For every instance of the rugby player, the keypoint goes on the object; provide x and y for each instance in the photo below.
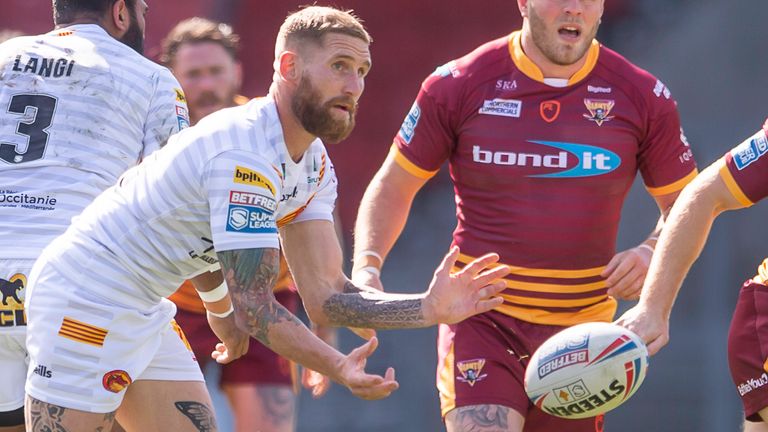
(544, 131)
(79, 105)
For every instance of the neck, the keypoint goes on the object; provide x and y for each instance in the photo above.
(91, 20)
(548, 68)
(297, 139)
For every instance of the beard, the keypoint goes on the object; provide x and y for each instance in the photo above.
(316, 117)
(134, 36)
(552, 49)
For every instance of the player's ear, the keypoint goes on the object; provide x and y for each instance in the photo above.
(523, 6)
(289, 66)
(120, 16)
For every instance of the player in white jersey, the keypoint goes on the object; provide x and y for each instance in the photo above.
(78, 107)
(222, 191)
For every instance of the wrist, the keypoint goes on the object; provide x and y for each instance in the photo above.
(367, 259)
(428, 311)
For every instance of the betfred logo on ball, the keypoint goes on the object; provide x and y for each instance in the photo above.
(586, 370)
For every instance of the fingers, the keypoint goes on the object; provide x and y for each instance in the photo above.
(487, 305)
(657, 344)
(619, 270)
(629, 286)
(479, 264)
(372, 387)
(364, 333)
(364, 351)
(612, 264)
(489, 276)
(448, 261)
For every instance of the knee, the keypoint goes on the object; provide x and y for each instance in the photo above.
(12, 418)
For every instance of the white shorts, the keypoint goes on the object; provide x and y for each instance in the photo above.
(85, 349)
(13, 329)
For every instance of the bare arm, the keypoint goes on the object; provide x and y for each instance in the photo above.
(684, 235)
(685, 232)
(250, 275)
(382, 216)
(314, 256)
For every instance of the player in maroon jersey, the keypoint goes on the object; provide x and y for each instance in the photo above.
(544, 131)
(739, 179)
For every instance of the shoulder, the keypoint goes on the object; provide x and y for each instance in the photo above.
(637, 82)
(481, 65)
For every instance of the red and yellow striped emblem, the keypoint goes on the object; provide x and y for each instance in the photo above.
(82, 332)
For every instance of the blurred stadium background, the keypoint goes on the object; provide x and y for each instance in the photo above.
(710, 53)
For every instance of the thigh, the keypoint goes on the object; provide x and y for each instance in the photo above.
(46, 417)
(484, 418)
(748, 349)
(262, 407)
(482, 364)
(85, 350)
(179, 406)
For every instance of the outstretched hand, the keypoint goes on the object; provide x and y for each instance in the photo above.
(453, 297)
(652, 328)
(363, 385)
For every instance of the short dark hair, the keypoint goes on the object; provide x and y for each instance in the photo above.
(66, 11)
(197, 30)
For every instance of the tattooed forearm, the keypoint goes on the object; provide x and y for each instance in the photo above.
(358, 308)
(199, 414)
(481, 418)
(251, 275)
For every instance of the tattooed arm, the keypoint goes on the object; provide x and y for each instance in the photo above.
(250, 275)
(314, 255)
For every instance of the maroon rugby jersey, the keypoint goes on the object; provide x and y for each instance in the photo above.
(746, 175)
(540, 172)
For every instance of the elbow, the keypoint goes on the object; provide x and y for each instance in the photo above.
(316, 314)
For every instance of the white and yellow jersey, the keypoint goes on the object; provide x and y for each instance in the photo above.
(77, 109)
(226, 183)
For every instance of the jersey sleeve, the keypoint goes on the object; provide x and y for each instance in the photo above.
(320, 207)
(426, 138)
(746, 168)
(242, 194)
(167, 113)
(665, 160)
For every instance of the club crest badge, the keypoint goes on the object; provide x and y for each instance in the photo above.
(599, 110)
(471, 371)
(549, 110)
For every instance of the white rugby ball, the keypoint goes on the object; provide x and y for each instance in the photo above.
(586, 370)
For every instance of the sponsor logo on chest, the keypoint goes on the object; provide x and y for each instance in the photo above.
(502, 107)
(558, 159)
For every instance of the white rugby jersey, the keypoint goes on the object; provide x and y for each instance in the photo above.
(226, 183)
(77, 109)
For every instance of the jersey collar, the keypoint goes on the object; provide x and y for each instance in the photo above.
(529, 68)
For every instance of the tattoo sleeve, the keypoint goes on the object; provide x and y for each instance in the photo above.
(251, 275)
(361, 308)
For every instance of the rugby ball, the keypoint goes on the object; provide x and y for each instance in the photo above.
(586, 370)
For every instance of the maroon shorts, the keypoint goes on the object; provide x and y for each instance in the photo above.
(259, 366)
(748, 348)
(482, 361)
